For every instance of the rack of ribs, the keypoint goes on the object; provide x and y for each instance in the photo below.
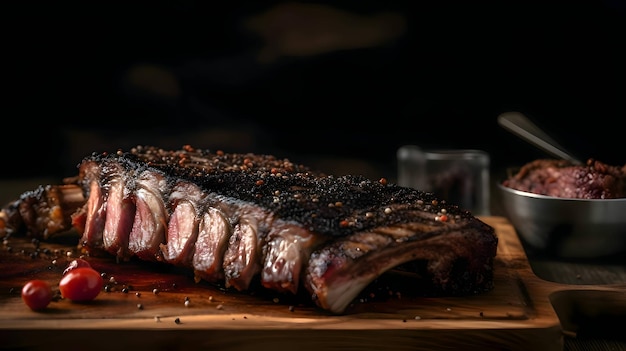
(234, 217)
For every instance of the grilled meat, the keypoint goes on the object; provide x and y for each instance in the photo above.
(562, 178)
(233, 217)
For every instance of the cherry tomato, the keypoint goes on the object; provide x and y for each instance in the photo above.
(81, 284)
(37, 294)
(79, 262)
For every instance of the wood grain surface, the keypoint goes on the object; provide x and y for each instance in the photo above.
(145, 307)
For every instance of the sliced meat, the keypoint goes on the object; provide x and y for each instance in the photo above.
(242, 259)
(287, 249)
(119, 216)
(151, 217)
(95, 213)
(186, 202)
(214, 232)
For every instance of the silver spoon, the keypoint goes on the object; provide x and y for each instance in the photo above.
(520, 125)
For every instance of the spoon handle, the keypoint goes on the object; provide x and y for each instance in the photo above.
(520, 125)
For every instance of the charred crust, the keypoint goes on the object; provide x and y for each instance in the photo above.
(326, 204)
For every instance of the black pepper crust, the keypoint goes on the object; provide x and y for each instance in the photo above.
(326, 204)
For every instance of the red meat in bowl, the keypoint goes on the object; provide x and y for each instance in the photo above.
(569, 210)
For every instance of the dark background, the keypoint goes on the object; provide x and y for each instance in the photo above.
(442, 83)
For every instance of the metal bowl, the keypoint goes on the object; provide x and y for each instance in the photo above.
(573, 228)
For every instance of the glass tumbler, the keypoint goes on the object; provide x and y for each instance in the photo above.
(459, 176)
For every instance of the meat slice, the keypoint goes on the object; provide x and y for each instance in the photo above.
(241, 259)
(94, 211)
(214, 232)
(151, 217)
(119, 215)
(287, 250)
(186, 203)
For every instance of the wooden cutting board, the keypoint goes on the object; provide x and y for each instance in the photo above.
(516, 315)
